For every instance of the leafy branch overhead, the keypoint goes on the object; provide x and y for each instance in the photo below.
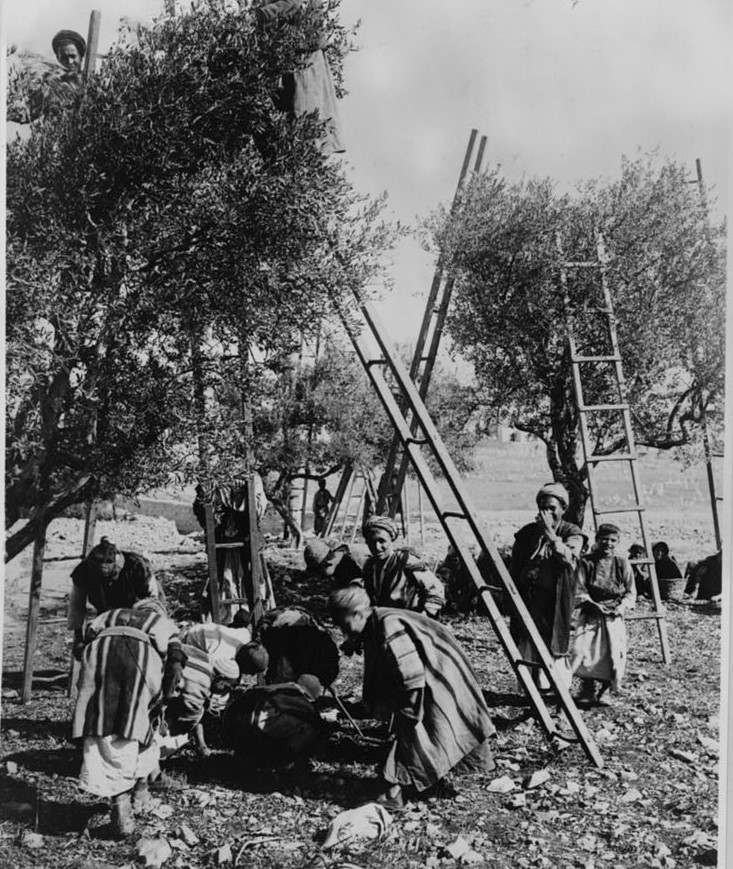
(666, 271)
(173, 206)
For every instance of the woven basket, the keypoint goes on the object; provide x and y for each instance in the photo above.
(671, 589)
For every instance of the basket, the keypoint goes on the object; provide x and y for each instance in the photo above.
(671, 589)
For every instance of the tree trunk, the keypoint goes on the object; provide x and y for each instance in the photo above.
(288, 518)
(43, 516)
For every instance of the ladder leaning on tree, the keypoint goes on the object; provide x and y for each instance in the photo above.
(608, 358)
(417, 432)
(428, 342)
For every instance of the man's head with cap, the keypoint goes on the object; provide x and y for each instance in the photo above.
(69, 48)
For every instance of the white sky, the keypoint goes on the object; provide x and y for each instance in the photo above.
(560, 88)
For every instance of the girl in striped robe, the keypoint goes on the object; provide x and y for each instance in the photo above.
(131, 664)
(416, 673)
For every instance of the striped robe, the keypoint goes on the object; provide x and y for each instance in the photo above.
(185, 710)
(122, 674)
(407, 652)
(403, 580)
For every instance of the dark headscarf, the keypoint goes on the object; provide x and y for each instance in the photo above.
(65, 36)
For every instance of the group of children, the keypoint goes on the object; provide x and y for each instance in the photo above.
(143, 678)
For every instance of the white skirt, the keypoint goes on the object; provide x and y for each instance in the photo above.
(112, 764)
(599, 649)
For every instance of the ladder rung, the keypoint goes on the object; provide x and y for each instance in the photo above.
(453, 514)
(640, 560)
(228, 545)
(535, 665)
(376, 362)
(614, 358)
(233, 600)
(643, 616)
(637, 509)
(587, 264)
(584, 408)
(624, 457)
(418, 441)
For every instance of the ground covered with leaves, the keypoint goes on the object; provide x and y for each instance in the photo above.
(654, 803)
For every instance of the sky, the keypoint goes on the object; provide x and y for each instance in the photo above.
(561, 88)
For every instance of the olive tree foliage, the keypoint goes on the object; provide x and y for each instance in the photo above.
(665, 269)
(168, 222)
(316, 416)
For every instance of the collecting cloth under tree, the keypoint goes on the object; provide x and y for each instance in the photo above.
(403, 580)
(415, 670)
(600, 647)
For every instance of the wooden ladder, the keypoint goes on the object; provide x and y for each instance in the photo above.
(255, 566)
(609, 356)
(349, 492)
(428, 342)
(417, 433)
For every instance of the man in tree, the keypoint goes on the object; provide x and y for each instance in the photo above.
(108, 578)
(309, 88)
(57, 89)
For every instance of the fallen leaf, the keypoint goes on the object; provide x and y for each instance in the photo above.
(537, 778)
(458, 848)
(685, 756)
(471, 858)
(12, 767)
(588, 842)
(518, 801)
(188, 835)
(163, 812)
(631, 796)
(711, 746)
(153, 852)
(501, 785)
(31, 840)
(223, 854)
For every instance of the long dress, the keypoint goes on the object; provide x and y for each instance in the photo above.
(311, 88)
(599, 648)
(403, 580)
(545, 577)
(120, 686)
(408, 655)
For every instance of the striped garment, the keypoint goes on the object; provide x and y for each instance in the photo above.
(185, 710)
(407, 652)
(221, 643)
(403, 580)
(122, 673)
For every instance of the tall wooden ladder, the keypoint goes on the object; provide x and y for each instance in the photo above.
(355, 485)
(608, 357)
(255, 566)
(417, 433)
(428, 341)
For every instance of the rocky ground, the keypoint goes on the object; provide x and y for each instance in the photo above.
(653, 804)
